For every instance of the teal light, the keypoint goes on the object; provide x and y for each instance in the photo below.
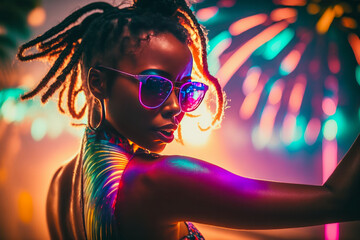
(330, 129)
(38, 129)
(278, 43)
(218, 45)
(357, 74)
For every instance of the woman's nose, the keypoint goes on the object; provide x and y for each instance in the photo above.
(171, 106)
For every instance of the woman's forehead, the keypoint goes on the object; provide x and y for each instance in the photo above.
(162, 51)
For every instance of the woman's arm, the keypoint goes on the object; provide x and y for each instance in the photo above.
(181, 188)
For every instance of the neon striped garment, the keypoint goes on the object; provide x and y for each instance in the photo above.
(105, 156)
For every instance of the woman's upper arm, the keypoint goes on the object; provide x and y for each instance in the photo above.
(182, 188)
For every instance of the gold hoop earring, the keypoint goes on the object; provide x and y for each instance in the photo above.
(102, 116)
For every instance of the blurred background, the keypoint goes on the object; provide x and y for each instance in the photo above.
(291, 72)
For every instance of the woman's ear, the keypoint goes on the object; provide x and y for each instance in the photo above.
(96, 83)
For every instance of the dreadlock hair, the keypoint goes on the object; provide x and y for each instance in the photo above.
(74, 45)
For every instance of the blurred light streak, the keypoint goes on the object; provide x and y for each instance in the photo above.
(288, 14)
(250, 102)
(278, 43)
(312, 131)
(330, 129)
(276, 92)
(349, 22)
(297, 94)
(244, 52)
(325, 21)
(313, 8)
(25, 207)
(270, 111)
(247, 23)
(288, 128)
(251, 80)
(205, 14)
(218, 45)
(328, 106)
(290, 2)
(290, 62)
(355, 45)
(333, 59)
(36, 17)
(339, 10)
(329, 162)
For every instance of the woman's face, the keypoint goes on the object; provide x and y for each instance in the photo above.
(152, 129)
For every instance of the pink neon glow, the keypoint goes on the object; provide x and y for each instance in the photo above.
(291, 61)
(329, 162)
(329, 157)
(312, 131)
(332, 231)
(297, 94)
(226, 3)
(250, 102)
(205, 14)
(251, 80)
(333, 60)
(290, 2)
(355, 45)
(332, 84)
(279, 14)
(328, 106)
(247, 23)
(244, 52)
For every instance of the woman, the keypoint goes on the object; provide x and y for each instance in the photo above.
(139, 67)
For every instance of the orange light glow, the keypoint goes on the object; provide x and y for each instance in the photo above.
(355, 45)
(250, 102)
(247, 23)
(244, 52)
(339, 10)
(25, 207)
(313, 8)
(36, 17)
(349, 22)
(312, 131)
(284, 13)
(325, 21)
(297, 94)
(291, 61)
(290, 2)
(205, 14)
(276, 92)
(251, 80)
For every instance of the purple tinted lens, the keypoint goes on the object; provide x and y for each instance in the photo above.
(191, 95)
(154, 91)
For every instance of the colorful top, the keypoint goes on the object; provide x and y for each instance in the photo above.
(105, 156)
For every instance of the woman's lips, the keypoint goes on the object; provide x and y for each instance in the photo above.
(168, 138)
(166, 132)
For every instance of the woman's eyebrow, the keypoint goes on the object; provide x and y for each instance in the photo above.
(163, 73)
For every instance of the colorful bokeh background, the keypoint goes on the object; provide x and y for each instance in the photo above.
(291, 72)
